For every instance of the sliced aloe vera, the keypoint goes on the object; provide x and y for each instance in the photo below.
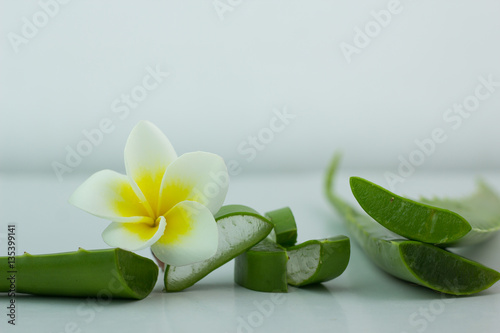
(262, 268)
(413, 261)
(318, 261)
(240, 228)
(110, 273)
(439, 221)
(285, 228)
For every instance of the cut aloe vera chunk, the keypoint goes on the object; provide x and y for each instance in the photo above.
(262, 268)
(413, 261)
(285, 228)
(318, 261)
(439, 221)
(110, 273)
(240, 228)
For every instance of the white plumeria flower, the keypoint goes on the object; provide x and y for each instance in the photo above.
(162, 202)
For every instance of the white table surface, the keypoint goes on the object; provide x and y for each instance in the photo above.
(362, 299)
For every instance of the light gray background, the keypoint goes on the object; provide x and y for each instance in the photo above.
(227, 76)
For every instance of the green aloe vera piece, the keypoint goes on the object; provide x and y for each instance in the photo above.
(110, 273)
(438, 221)
(318, 261)
(262, 268)
(265, 268)
(285, 229)
(240, 228)
(413, 261)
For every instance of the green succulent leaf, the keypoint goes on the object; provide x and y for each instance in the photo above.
(445, 222)
(110, 273)
(240, 228)
(413, 261)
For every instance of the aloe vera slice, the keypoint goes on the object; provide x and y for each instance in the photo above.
(285, 229)
(317, 261)
(110, 273)
(413, 261)
(439, 221)
(406, 217)
(262, 268)
(240, 228)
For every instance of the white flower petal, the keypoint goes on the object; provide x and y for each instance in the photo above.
(148, 152)
(191, 235)
(108, 194)
(197, 176)
(133, 236)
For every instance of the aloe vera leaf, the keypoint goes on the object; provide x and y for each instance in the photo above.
(409, 218)
(110, 273)
(438, 221)
(240, 228)
(285, 228)
(413, 261)
(318, 261)
(262, 268)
